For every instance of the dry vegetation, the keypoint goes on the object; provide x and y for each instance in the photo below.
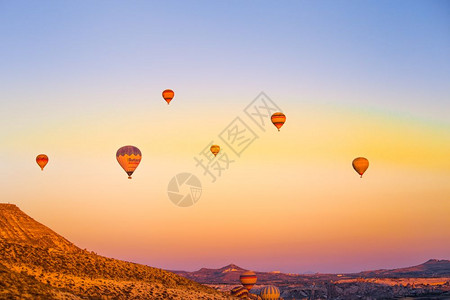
(37, 263)
(15, 285)
(89, 275)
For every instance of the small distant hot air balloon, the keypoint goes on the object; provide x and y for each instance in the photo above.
(129, 158)
(360, 164)
(215, 149)
(240, 292)
(248, 279)
(270, 293)
(42, 160)
(278, 119)
(168, 95)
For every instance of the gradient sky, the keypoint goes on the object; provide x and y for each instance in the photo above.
(79, 79)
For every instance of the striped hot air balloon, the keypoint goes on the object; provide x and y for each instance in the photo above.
(42, 160)
(168, 95)
(360, 164)
(254, 297)
(278, 119)
(240, 292)
(215, 149)
(129, 158)
(270, 293)
(248, 279)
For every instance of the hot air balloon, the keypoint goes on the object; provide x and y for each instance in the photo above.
(215, 149)
(129, 158)
(168, 95)
(360, 164)
(254, 297)
(248, 279)
(270, 293)
(240, 292)
(278, 119)
(42, 160)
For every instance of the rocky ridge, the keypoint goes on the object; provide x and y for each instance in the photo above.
(37, 263)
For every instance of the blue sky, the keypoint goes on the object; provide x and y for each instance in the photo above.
(380, 53)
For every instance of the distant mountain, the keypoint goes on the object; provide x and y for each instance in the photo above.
(226, 274)
(37, 263)
(230, 274)
(429, 280)
(431, 268)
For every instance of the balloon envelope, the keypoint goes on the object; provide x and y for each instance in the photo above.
(129, 158)
(360, 164)
(168, 95)
(270, 293)
(278, 119)
(215, 149)
(254, 296)
(240, 292)
(248, 279)
(42, 160)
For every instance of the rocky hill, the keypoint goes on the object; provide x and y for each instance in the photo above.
(227, 274)
(37, 263)
(431, 268)
(17, 227)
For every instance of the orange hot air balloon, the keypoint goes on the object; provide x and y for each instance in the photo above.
(215, 149)
(248, 279)
(270, 293)
(360, 164)
(168, 95)
(42, 160)
(129, 158)
(278, 119)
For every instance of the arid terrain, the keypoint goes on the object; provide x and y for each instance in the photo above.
(37, 263)
(429, 280)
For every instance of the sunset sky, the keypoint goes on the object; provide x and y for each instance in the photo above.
(80, 79)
